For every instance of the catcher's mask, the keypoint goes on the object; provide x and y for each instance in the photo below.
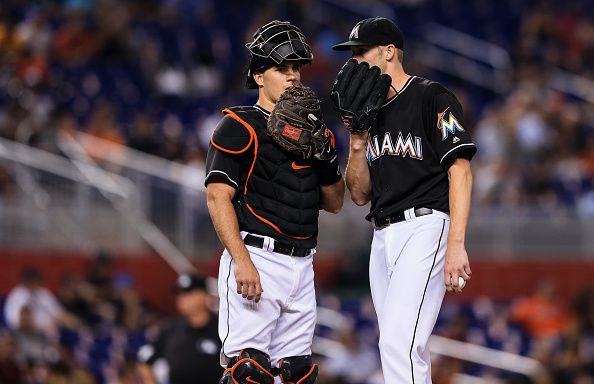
(273, 44)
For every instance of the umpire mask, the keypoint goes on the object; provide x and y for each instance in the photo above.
(274, 43)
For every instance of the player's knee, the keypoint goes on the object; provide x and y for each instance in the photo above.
(251, 366)
(298, 369)
(389, 348)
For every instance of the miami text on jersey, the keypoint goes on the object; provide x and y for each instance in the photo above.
(401, 147)
(450, 125)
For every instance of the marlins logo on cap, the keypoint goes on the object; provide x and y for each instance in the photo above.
(355, 32)
(372, 32)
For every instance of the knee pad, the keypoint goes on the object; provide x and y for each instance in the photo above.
(251, 366)
(298, 370)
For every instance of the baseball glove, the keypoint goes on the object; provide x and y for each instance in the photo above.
(358, 93)
(296, 123)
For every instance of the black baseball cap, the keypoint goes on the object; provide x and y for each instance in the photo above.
(190, 281)
(373, 31)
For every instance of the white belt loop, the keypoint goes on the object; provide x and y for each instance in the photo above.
(409, 214)
(268, 244)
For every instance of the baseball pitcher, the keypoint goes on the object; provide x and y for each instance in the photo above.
(410, 156)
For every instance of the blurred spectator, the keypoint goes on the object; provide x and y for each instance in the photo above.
(103, 292)
(33, 345)
(10, 371)
(189, 343)
(133, 314)
(46, 312)
(355, 363)
(35, 32)
(128, 372)
(75, 43)
(542, 314)
(32, 68)
(444, 368)
(63, 370)
(575, 363)
(206, 77)
(173, 147)
(143, 135)
(103, 124)
(78, 297)
(113, 297)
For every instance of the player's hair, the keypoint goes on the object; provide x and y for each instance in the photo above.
(400, 54)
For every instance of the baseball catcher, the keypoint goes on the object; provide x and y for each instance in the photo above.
(271, 167)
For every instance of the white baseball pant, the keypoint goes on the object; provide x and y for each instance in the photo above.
(406, 276)
(282, 323)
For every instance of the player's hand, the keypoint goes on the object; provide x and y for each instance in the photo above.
(248, 280)
(456, 264)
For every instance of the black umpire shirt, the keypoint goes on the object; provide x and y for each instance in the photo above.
(191, 353)
(418, 134)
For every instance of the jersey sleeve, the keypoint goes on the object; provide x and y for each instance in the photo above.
(446, 130)
(152, 351)
(229, 141)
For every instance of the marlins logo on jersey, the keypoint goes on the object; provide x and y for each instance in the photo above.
(401, 147)
(450, 125)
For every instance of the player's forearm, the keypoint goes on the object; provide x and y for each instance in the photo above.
(358, 180)
(460, 176)
(226, 225)
(333, 196)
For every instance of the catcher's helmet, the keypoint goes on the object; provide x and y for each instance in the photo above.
(274, 43)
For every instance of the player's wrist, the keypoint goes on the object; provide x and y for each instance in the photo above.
(455, 241)
(358, 142)
(242, 258)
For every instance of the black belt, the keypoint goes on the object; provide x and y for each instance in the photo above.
(398, 217)
(279, 247)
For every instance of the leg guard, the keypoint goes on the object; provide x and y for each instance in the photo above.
(298, 370)
(251, 366)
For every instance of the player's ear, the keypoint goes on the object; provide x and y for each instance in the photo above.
(259, 79)
(390, 52)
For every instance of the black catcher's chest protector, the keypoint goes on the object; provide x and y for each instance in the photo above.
(280, 194)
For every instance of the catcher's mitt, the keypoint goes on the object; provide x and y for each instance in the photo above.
(358, 93)
(296, 123)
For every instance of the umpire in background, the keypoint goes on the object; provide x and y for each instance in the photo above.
(410, 156)
(188, 343)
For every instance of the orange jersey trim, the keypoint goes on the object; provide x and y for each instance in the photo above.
(234, 116)
(246, 125)
(253, 138)
(273, 225)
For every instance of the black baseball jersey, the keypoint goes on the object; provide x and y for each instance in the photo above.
(278, 193)
(191, 353)
(418, 134)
